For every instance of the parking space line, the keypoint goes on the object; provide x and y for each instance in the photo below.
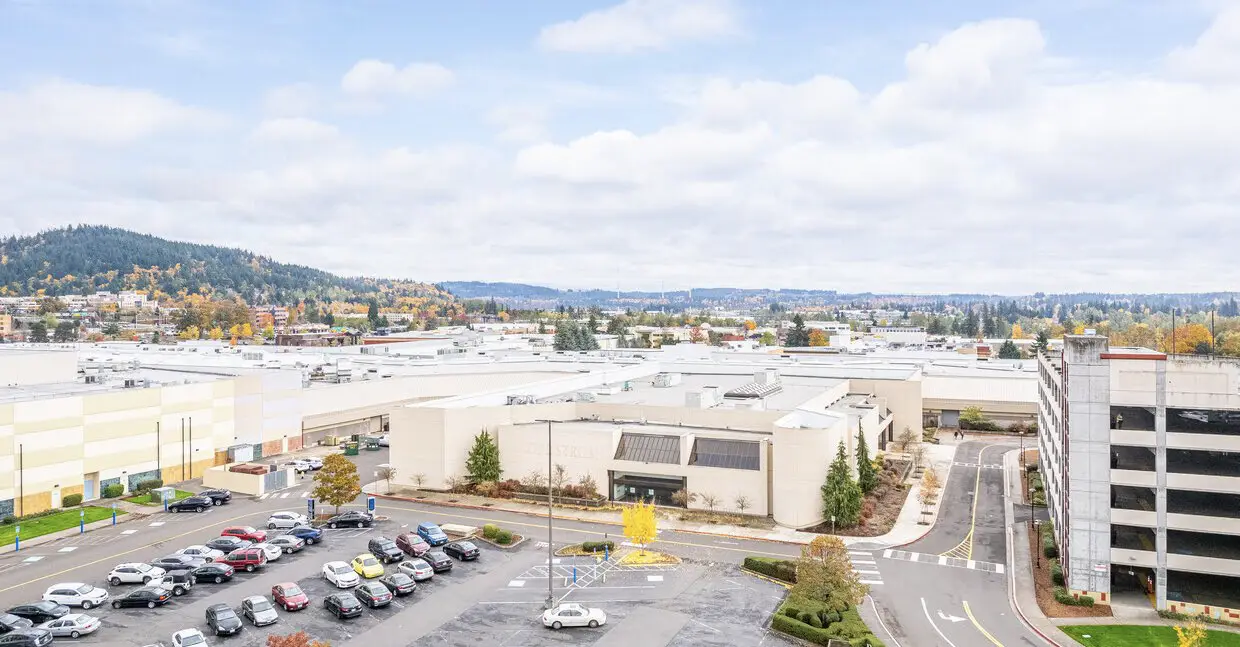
(516, 583)
(33, 558)
(67, 549)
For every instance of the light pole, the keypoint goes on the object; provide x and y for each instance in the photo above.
(550, 548)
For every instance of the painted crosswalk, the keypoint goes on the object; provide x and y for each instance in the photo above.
(284, 494)
(865, 566)
(943, 560)
(985, 466)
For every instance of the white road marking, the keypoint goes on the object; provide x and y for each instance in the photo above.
(32, 559)
(515, 583)
(868, 572)
(156, 524)
(943, 560)
(704, 625)
(871, 581)
(67, 549)
(128, 532)
(936, 627)
(864, 561)
(654, 578)
(862, 553)
(285, 495)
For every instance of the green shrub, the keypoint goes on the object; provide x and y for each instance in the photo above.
(1063, 597)
(814, 620)
(70, 500)
(503, 537)
(9, 520)
(798, 629)
(1048, 547)
(1057, 574)
(832, 618)
(598, 546)
(791, 611)
(148, 485)
(490, 530)
(112, 491)
(868, 640)
(780, 569)
(804, 617)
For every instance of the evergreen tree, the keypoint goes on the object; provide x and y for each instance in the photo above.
(542, 328)
(1009, 350)
(66, 331)
(372, 312)
(482, 463)
(565, 335)
(867, 476)
(841, 496)
(38, 332)
(798, 337)
(1041, 342)
(970, 325)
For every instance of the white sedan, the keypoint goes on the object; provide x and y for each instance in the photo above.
(383, 440)
(201, 552)
(134, 573)
(76, 594)
(286, 520)
(299, 465)
(189, 638)
(315, 462)
(73, 625)
(272, 552)
(571, 614)
(341, 574)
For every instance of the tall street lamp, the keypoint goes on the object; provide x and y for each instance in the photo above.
(550, 547)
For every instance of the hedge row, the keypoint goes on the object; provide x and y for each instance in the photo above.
(598, 546)
(144, 487)
(9, 520)
(848, 627)
(780, 569)
(1063, 597)
(497, 534)
(70, 500)
(112, 491)
(1056, 573)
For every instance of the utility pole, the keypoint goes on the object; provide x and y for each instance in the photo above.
(550, 547)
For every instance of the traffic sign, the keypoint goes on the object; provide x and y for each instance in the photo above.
(310, 509)
(370, 503)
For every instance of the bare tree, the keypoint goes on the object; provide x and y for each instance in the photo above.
(419, 480)
(387, 473)
(558, 478)
(918, 453)
(454, 483)
(534, 480)
(683, 497)
(588, 484)
(742, 503)
(710, 501)
(907, 437)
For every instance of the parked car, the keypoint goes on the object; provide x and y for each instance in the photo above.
(258, 610)
(214, 572)
(248, 533)
(432, 534)
(355, 518)
(412, 544)
(417, 568)
(308, 534)
(438, 560)
(463, 550)
(290, 597)
(134, 573)
(10, 622)
(287, 543)
(147, 596)
(40, 611)
(367, 566)
(399, 583)
(189, 638)
(343, 605)
(341, 574)
(171, 563)
(571, 614)
(179, 582)
(385, 549)
(315, 462)
(218, 496)
(76, 594)
(228, 544)
(373, 594)
(286, 520)
(32, 637)
(223, 620)
(299, 465)
(383, 440)
(249, 559)
(273, 553)
(202, 552)
(74, 625)
(192, 504)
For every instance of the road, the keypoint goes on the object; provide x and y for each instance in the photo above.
(950, 589)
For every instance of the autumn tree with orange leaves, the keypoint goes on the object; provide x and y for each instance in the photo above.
(299, 639)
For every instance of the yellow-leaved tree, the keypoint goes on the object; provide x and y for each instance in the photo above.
(190, 332)
(640, 525)
(1017, 332)
(246, 330)
(269, 332)
(1189, 338)
(216, 333)
(234, 331)
(817, 337)
(1191, 634)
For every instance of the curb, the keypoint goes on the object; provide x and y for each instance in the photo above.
(122, 517)
(1011, 558)
(766, 578)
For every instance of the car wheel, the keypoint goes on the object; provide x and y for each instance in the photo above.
(594, 624)
(87, 604)
(74, 634)
(556, 625)
(271, 526)
(116, 581)
(288, 551)
(174, 510)
(249, 568)
(216, 502)
(332, 525)
(146, 580)
(178, 591)
(116, 605)
(150, 605)
(200, 509)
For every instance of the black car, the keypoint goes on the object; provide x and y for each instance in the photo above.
(26, 638)
(355, 518)
(223, 620)
(310, 534)
(40, 611)
(191, 504)
(10, 622)
(213, 572)
(462, 550)
(218, 496)
(373, 594)
(399, 583)
(385, 550)
(343, 605)
(175, 563)
(438, 560)
(228, 544)
(147, 596)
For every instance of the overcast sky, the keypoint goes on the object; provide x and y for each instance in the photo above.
(1060, 145)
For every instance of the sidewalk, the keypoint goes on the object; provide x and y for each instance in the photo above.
(131, 511)
(905, 530)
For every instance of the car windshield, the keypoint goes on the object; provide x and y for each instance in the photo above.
(143, 567)
(341, 570)
(225, 614)
(387, 545)
(85, 588)
(467, 545)
(292, 590)
(370, 561)
(192, 639)
(262, 604)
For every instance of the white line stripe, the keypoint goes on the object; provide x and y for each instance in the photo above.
(936, 627)
(870, 581)
(887, 553)
(285, 495)
(999, 568)
(861, 552)
(868, 573)
(864, 561)
(942, 561)
(971, 564)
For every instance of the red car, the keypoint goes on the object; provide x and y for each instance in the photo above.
(246, 558)
(412, 544)
(249, 533)
(290, 596)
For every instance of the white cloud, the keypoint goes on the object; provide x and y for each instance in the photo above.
(519, 123)
(293, 100)
(636, 25)
(294, 130)
(372, 77)
(1216, 54)
(65, 111)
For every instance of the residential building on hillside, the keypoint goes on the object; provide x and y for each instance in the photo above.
(1140, 453)
(275, 316)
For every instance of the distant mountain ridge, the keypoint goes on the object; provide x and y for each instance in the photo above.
(86, 259)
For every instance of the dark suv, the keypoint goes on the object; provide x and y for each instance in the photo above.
(223, 620)
(191, 504)
(385, 549)
(218, 496)
(10, 622)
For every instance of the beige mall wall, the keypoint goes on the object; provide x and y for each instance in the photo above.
(903, 398)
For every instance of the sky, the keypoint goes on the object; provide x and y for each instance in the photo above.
(885, 146)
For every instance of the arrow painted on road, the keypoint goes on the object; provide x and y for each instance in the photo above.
(943, 616)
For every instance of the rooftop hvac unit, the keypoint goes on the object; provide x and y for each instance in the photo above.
(130, 383)
(520, 399)
(583, 396)
(93, 379)
(665, 380)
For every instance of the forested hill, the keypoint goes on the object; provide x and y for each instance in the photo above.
(85, 259)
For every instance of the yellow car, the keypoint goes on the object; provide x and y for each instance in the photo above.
(367, 566)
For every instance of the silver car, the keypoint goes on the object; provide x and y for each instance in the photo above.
(73, 625)
(285, 520)
(417, 568)
(258, 610)
(287, 543)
